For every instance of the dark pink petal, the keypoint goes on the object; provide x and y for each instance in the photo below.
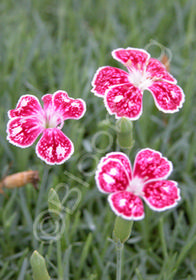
(67, 107)
(28, 105)
(158, 71)
(124, 101)
(123, 159)
(168, 96)
(134, 59)
(150, 165)
(126, 205)
(47, 99)
(161, 195)
(54, 147)
(106, 77)
(23, 132)
(111, 176)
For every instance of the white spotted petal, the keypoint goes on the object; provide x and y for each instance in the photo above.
(28, 120)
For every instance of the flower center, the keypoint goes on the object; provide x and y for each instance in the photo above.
(52, 120)
(139, 77)
(136, 186)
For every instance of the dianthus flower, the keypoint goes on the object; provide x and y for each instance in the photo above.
(29, 120)
(146, 182)
(123, 91)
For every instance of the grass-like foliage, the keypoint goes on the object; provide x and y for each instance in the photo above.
(50, 45)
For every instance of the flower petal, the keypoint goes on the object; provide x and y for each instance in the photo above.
(158, 71)
(127, 205)
(111, 176)
(161, 195)
(132, 58)
(150, 165)
(124, 101)
(67, 107)
(54, 147)
(28, 105)
(23, 132)
(168, 97)
(48, 104)
(106, 77)
(123, 159)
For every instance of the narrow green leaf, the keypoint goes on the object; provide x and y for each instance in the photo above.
(84, 255)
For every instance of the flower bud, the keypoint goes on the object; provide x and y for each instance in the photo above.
(124, 129)
(39, 267)
(122, 230)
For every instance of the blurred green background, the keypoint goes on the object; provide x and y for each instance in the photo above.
(50, 45)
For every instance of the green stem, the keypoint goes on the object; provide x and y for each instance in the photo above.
(55, 207)
(163, 242)
(119, 251)
(122, 227)
(121, 233)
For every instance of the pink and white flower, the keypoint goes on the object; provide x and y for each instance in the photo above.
(123, 91)
(28, 120)
(146, 182)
